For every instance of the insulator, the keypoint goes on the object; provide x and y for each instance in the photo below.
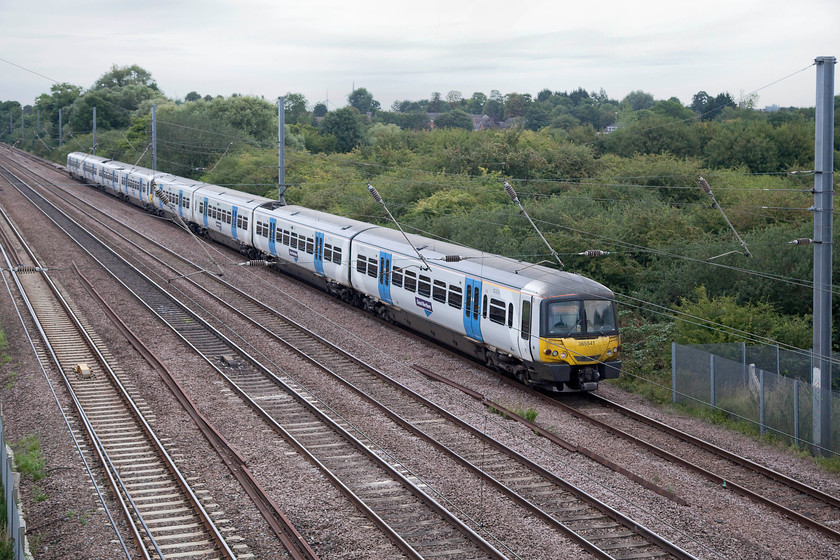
(801, 241)
(594, 253)
(257, 263)
(373, 192)
(511, 193)
(161, 194)
(26, 269)
(452, 258)
(704, 185)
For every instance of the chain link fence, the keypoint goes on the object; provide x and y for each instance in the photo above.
(763, 385)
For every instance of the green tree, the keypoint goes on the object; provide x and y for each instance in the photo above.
(295, 108)
(454, 119)
(515, 105)
(192, 96)
(736, 320)
(121, 76)
(475, 105)
(638, 100)
(319, 110)
(345, 124)
(362, 100)
(62, 97)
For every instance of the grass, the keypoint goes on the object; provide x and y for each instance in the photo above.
(28, 458)
(530, 414)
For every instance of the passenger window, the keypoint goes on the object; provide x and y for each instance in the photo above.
(372, 268)
(424, 286)
(397, 277)
(337, 255)
(439, 291)
(497, 311)
(327, 252)
(294, 241)
(310, 245)
(525, 327)
(410, 280)
(361, 264)
(475, 302)
(456, 296)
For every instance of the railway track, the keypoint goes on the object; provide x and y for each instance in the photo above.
(165, 514)
(594, 526)
(792, 498)
(416, 523)
(788, 496)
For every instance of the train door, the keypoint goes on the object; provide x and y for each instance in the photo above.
(272, 233)
(233, 229)
(204, 212)
(527, 336)
(385, 276)
(319, 253)
(472, 309)
(181, 203)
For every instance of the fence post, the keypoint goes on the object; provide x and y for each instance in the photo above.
(778, 361)
(673, 372)
(712, 378)
(744, 359)
(796, 412)
(763, 429)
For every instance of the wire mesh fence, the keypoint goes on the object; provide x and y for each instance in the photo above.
(15, 526)
(766, 386)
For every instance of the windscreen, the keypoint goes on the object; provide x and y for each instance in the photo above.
(576, 317)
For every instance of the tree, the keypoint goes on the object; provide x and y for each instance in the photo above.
(345, 125)
(454, 98)
(319, 110)
(638, 100)
(62, 97)
(362, 100)
(121, 76)
(454, 119)
(192, 96)
(494, 109)
(295, 108)
(476, 103)
(699, 102)
(537, 116)
(436, 104)
(515, 104)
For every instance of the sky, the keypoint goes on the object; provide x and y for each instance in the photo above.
(406, 51)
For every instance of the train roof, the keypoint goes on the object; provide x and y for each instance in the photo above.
(338, 225)
(230, 196)
(88, 157)
(534, 278)
(529, 277)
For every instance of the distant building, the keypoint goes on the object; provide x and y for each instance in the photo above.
(610, 128)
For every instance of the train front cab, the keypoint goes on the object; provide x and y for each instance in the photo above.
(578, 343)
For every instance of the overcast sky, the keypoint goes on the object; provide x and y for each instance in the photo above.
(400, 50)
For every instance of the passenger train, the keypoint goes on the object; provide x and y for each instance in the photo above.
(548, 328)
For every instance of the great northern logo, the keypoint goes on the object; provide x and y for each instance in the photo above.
(425, 305)
(293, 254)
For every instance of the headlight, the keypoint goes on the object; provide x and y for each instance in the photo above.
(563, 355)
(554, 353)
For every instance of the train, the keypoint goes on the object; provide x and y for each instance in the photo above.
(547, 328)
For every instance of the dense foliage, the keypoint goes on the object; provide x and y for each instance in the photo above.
(593, 172)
